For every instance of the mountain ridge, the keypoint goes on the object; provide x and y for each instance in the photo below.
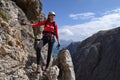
(97, 57)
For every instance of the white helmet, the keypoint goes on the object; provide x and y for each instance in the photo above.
(51, 13)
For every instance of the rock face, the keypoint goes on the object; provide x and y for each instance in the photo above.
(15, 42)
(72, 47)
(98, 57)
(17, 54)
(66, 66)
(30, 7)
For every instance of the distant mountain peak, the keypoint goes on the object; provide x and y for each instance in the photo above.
(97, 57)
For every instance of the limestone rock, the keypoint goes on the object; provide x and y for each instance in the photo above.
(52, 73)
(62, 70)
(98, 57)
(66, 66)
(14, 50)
(30, 7)
(4, 23)
(17, 53)
(72, 47)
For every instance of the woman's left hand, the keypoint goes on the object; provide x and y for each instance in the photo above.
(58, 46)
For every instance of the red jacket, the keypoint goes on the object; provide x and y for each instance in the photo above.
(49, 27)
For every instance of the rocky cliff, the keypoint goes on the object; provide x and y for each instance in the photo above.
(17, 54)
(72, 47)
(15, 42)
(98, 57)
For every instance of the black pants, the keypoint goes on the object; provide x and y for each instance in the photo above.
(46, 39)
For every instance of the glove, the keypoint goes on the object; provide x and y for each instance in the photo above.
(58, 46)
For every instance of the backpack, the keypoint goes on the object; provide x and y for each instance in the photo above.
(54, 25)
(38, 31)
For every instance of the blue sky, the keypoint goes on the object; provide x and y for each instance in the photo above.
(79, 19)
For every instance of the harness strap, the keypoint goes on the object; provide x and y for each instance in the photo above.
(47, 33)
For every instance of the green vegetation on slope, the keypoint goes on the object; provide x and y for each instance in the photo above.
(4, 15)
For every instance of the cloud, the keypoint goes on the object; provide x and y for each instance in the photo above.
(80, 32)
(112, 11)
(86, 15)
(66, 33)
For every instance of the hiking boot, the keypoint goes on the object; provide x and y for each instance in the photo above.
(39, 69)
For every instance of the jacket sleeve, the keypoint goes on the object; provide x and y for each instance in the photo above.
(57, 36)
(39, 24)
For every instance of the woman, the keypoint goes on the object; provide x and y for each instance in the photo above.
(50, 30)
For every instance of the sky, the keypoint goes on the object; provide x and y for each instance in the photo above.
(80, 19)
